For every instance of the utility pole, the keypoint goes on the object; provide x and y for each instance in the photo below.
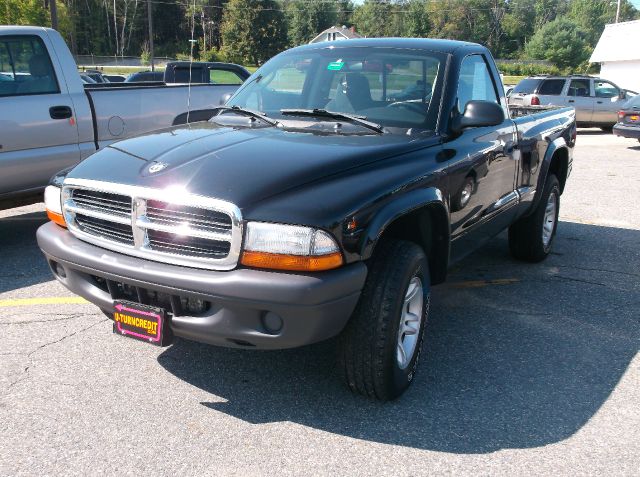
(54, 14)
(618, 11)
(150, 18)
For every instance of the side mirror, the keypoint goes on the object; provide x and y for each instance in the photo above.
(478, 114)
(225, 97)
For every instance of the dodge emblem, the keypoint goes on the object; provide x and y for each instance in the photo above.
(157, 167)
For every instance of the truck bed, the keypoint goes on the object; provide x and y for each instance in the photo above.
(122, 112)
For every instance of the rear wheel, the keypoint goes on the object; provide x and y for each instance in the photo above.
(531, 237)
(378, 350)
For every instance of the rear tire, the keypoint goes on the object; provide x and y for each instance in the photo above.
(531, 237)
(391, 314)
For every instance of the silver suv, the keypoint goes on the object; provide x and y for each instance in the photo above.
(596, 100)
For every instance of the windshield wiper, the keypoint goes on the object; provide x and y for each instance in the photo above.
(247, 112)
(323, 113)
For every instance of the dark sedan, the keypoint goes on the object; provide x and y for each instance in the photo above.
(628, 124)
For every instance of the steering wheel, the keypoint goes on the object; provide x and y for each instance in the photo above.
(412, 105)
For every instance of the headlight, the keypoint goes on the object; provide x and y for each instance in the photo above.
(53, 204)
(289, 247)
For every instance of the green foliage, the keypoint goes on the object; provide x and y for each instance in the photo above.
(307, 18)
(211, 55)
(253, 31)
(24, 12)
(562, 42)
(527, 69)
(593, 15)
(145, 55)
(378, 18)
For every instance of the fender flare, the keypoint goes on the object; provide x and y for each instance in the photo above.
(554, 146)
(402, 206)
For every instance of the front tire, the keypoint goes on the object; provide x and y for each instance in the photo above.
(531, 237)
(378, 351)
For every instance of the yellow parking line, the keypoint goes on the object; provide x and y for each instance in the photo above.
(484, 283)
(50, 300)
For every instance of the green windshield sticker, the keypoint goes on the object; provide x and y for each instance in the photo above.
(335, 65)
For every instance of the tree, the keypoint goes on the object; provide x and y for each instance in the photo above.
(561, 42)
(253, 31)
(416, 22)
(593, 15)
(379, 18)
(307, 18)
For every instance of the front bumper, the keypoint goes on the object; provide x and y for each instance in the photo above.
(627, 131)
(312, 307)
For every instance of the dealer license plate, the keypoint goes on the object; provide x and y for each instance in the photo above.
(141, 322)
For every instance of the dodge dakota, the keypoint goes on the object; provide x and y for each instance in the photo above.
(326, 198)
(49, 120)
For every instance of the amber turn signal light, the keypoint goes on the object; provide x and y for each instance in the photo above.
(52, 203)
(297, 263)
(57, 218)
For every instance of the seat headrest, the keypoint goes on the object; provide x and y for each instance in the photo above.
(39, 66)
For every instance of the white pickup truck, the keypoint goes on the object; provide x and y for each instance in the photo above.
(51, 120)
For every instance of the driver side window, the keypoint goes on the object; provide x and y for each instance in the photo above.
(475, 82)
(604, 89)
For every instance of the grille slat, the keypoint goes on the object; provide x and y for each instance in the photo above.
(104, 202)
(190, 245)
(206, 233)
(109, 230)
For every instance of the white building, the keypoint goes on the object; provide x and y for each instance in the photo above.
(336, 33)
(618, 53)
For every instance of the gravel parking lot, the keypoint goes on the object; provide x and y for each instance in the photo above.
(527, 369)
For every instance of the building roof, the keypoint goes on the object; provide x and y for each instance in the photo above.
(618, 43)
(348, 33)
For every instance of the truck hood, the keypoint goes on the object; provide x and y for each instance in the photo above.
(240, 165)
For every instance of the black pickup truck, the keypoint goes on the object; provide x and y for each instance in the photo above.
(327, 197)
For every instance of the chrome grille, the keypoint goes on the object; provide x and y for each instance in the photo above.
(103, 201)
(170, 225)
(105, 229)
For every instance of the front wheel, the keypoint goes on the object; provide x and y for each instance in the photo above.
(531, 237)
(378, 350)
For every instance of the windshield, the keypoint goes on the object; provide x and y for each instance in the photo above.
(633, 103)
(391, 87)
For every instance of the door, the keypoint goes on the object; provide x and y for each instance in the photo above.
(483, 168)
(579, 96)
(38, 132)
(607, 102)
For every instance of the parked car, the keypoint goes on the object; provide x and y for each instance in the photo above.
(115, 78)
(331, 212)
(205, 72)
(596, 100)
(59, 117)
(86, 79)
(145, 77)
(96, 76)
(628, 124)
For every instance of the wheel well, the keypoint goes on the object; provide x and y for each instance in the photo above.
(559, 166)
(428, 227)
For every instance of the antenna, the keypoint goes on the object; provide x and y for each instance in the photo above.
(192, 41)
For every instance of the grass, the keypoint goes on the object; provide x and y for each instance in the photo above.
(511, 79)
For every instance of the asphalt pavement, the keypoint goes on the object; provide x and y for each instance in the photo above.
(526, 369)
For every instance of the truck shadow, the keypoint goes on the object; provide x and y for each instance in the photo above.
(520, 364)
(22, 262)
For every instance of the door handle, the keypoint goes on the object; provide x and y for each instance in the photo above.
(599, 102)
(571, 101)
(60, 112)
